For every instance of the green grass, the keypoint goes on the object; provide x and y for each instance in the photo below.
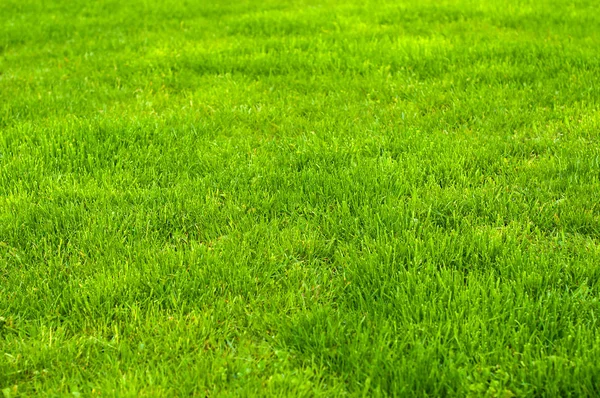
(308, 198)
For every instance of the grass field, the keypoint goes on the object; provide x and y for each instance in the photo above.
(299, 198)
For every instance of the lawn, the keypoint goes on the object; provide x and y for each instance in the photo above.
(299, 198)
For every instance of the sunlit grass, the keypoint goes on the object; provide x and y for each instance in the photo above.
(299, 198)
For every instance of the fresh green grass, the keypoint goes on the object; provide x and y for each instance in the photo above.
(298, 198)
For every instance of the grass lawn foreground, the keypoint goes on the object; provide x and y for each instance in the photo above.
(299, 198)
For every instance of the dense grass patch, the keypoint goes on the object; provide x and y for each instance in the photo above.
(300, 198)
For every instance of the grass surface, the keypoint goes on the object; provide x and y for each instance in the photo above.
(299, 198)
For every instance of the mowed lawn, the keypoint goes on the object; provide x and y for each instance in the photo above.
(299, 198)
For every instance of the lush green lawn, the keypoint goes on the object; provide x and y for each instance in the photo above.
(299, 198)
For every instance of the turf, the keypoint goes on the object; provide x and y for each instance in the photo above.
(299, 198)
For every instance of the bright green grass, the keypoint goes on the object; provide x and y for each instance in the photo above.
(299, 198)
